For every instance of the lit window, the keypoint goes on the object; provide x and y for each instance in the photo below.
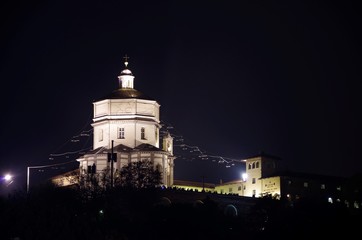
(323, 186)
(305, 184)
(143, 134)
(120, 133)
(339, 188)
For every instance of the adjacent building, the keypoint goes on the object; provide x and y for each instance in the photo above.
(266, 175)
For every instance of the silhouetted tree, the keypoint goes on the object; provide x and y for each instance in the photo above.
(140, 174)
(92, 184)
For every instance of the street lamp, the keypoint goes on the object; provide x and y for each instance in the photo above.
(244, 176)
(8, 177)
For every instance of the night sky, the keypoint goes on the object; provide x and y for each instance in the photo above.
(233, 78)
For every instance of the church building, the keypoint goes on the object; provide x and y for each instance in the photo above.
(126, 128)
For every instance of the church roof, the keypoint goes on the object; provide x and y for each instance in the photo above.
(123, 148)
(147, 147)
(99, 150)
(126, 93)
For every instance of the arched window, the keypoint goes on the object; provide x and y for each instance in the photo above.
(257, 164)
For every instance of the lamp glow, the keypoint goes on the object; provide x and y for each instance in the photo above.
(244, 176)
(8, 177)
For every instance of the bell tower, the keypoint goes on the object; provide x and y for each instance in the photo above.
(168, 143)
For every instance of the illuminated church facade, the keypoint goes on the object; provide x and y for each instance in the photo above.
(127, 123)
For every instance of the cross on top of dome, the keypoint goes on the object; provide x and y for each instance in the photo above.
(126, 60)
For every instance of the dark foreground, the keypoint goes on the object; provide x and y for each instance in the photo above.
(126, 214)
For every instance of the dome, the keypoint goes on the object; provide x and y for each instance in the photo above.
(126, 93)
(126, 72)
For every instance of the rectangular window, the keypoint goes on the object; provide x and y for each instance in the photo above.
(254, 193)
(253, 181)
(143, 134)
(239, 188)
(230, 189)
(120, 133)
(305, 184)
(323, 186)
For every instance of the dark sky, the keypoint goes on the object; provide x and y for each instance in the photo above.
(233, 78)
